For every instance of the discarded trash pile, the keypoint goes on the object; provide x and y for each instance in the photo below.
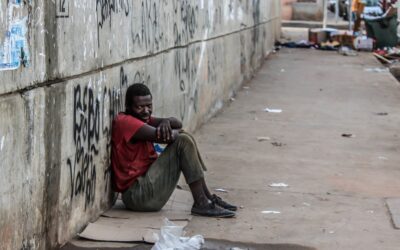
(380, 35)
(388, 55)
(343, 41)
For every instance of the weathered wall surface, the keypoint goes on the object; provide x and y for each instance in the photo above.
(311, 10)
(57, 109)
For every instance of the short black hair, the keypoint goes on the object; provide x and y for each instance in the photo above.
(137, 89)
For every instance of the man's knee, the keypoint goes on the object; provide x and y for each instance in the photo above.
(184, 138)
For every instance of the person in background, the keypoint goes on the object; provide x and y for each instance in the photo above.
(357, 9)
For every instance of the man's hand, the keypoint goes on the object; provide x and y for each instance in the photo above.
(164, 131)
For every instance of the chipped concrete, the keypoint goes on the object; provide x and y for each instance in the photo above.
(394, 210)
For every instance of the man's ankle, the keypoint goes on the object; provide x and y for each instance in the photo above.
(202, 204)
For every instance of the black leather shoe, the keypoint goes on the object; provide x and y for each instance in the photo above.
(218, 201)
(211, 210)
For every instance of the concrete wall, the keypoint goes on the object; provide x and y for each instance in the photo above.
(57, 109)
(306, 10)
(287, 9)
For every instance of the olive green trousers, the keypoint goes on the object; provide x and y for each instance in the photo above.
(152, 190)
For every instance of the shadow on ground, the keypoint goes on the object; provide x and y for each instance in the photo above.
(211, 244)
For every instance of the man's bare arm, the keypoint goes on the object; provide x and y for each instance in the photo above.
(164, 127)
(174, 122)
(149, 133)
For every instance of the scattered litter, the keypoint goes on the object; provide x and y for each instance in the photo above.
(318, 35)
(263, 138)
(334, 45)
(376, 70)
(270, 212)
(280, 184)
(246, 87)
(331, 231)
(346, 51)
(382, 158)
(282, 70)
(170, 237)
(387, 55)
(382, 113)
(237, 248)
(382, 58)
(300, 44)
(370, 211)
(241, 207)
(221, 190)
(232, 99)
(344, 37)
(348, 135)
(273, 110)
(277, 144)
(306, 204)
(363, 43)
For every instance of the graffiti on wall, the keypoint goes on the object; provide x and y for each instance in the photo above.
(106, 9)
(185, 69)
(150, 34)
(149, 20)
(86, 134)
(185, 28)
(95, 107)
(14, 51)
(113, 97)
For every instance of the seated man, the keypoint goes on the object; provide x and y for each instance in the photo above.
(147, 180)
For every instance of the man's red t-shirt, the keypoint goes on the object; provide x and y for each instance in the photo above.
(129, 160)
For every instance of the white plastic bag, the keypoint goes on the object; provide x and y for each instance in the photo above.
(170, 238)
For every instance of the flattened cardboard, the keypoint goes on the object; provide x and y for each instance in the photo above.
(111, 229)
(121, 225)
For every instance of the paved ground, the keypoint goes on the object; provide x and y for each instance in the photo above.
(337, 185)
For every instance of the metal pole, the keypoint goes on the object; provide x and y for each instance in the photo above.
(325, 5)
(350, 15)
(337, 11)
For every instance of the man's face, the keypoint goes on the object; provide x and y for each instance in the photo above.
(142, 107)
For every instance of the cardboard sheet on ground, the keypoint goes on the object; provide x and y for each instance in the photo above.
(121, 225)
